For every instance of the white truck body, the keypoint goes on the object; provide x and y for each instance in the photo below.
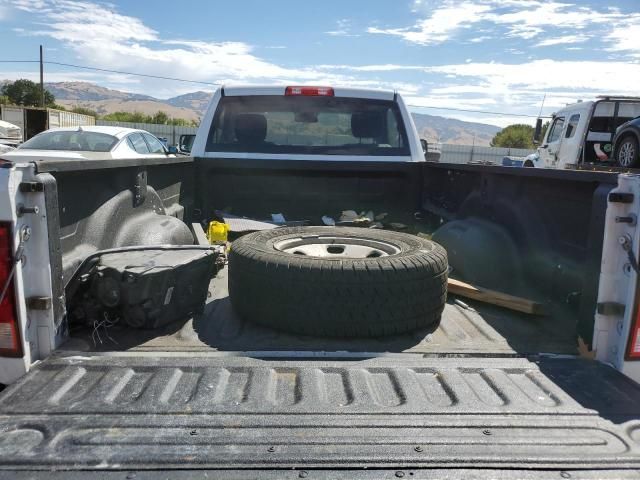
(33, 277)
(487, 392)
(582, 132)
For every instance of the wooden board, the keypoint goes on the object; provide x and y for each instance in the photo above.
(511, 302)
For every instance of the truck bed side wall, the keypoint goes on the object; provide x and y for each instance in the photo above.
(97, 205)
(555, 220)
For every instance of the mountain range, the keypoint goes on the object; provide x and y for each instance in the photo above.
(191, 106)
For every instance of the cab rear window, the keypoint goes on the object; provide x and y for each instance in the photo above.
(308, 125)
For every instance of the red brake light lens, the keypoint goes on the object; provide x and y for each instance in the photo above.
(633, 346)
(10, 344)
(309, 91)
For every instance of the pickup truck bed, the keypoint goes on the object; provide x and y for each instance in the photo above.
(489, 389)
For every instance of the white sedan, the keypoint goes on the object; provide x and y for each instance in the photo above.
(90, 143)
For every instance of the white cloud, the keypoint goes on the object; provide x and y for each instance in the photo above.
(516, 85)
(388, 67)
(543, 75)
(342, 29)
(480, 39)
(29, 5)
(626, 36)
(90, 23)
(538, 16)
(440, 25)
(104, 38)
(516, 88)
(529, 20)
(567, 39)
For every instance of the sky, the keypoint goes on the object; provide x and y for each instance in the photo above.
(495, 56)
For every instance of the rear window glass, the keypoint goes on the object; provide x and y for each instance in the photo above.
(307, 125)
(75, 141)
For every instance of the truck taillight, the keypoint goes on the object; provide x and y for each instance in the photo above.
(10, 344)
(633, 346)
(310, 91)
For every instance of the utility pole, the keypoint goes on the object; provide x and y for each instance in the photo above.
(41, 79)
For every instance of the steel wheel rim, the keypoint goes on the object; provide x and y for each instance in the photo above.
(338, 247)
(626, 154)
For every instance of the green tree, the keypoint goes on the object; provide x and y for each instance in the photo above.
(160, 117)
(85, 111)
(514, 136)
(128, 117)
(181, 122)
(27, 93)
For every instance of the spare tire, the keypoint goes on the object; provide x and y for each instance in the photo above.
(338, 282)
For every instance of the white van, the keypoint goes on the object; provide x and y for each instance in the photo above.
(582, 133)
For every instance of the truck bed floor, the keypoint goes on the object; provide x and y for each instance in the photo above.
(480, 329)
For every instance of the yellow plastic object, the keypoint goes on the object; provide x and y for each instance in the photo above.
(218, 232)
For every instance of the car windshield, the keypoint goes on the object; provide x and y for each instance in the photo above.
(77, 141)
(308, 125)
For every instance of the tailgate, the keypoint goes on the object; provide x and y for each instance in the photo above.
(224, 412)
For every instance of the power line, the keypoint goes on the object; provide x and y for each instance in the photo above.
(477, 111)
(160, 77)
(132, 73)
(506, 114)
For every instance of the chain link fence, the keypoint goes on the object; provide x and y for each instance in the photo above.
(450, 153)
(170, 132)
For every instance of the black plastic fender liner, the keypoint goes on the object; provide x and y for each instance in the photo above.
(345, 282)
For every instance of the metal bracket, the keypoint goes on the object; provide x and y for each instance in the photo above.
(23, 210)
(630, 219)
(610, 308)
(39, 303)
(140, 188)
(31, 187)
(619, 197)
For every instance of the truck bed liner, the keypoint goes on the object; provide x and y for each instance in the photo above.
(142, 411)
(482, 329)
